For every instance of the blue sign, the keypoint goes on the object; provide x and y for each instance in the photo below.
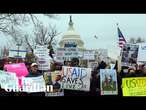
(69, 44)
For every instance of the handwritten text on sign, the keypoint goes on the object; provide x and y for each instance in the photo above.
(134, 86)
(33, 84)
(8, 80)
(43, 59)
(76, 78)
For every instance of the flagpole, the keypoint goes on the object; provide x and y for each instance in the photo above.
(122, 42)
(119, 57)
(118, 27)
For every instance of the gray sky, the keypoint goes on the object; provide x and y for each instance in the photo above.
(101, 25)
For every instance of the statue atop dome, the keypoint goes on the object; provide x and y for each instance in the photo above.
(71, 36)
(70, 24)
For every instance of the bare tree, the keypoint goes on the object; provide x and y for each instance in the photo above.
(17, 20)
(13, 20)
(1, 53)
(44, 35)
(52, 34)
(16, 35)
(29, 42)
(40, 33)
(4, 52)
(11, 25)
(41, 36)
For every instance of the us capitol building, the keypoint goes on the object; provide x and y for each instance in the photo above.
(72, 36)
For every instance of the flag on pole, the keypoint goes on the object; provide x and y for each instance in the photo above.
(122, 40)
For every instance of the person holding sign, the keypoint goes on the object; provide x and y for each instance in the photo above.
(34, 72)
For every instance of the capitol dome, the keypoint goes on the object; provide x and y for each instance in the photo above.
(71, 36)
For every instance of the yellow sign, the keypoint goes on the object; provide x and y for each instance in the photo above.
(134, 86)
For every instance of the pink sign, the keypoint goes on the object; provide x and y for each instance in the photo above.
(19, 68)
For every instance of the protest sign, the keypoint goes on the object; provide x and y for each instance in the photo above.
(129, 55)
(43, 63)
(134, 86)
(63, 54)
(41, 51)
(71, 52)
(55, 81)
(17, 53)
(112, 66)
(76, 78)
(108, 82)
(43, 58)
(8, 81)
(89, 55)
(59, 54)
(80, 54)
(142, 52)
(33, 84)
(19, 69)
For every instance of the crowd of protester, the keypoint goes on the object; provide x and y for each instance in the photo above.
(137, 71)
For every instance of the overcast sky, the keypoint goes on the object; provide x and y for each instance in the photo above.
(101, 25)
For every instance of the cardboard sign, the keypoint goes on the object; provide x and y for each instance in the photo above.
(17, 53)
(89, 55)
(134, 86)
(19, 69)
(43, 58)
(129, 55)
(112, 66)
(63, 54)
(33, 84)
(108, 82)
(142, 52)
(56, 82)
(43, 63)
(76, 78)
(8, 81)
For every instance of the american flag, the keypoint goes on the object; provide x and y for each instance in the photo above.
(122, 40)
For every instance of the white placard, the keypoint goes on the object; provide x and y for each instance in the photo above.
(89, 55)
(76, 78)
(8, 80)
(33, 84)
(142, 52)
(43, 58)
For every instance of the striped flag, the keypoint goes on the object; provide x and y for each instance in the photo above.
(122, 40)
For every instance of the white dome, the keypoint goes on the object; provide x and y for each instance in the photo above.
(71, 32)
(71, 35)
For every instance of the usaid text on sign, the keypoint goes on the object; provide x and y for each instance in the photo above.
(74, 72)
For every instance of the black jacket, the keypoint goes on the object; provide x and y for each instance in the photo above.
(94, 84)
